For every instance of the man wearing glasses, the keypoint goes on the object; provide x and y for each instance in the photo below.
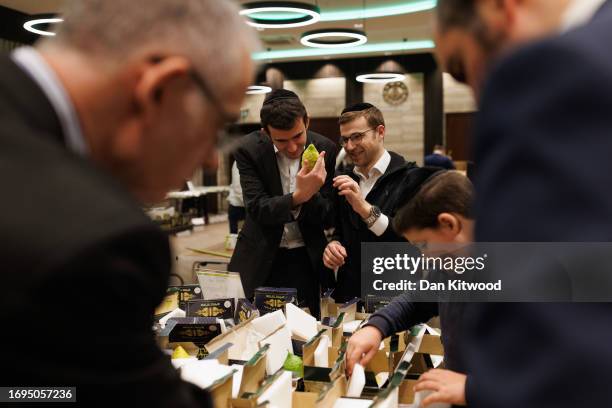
(121, 106)
(287, 204)
(369, 194)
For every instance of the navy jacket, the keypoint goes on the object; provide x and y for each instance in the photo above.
(543, 144)
(439, 160)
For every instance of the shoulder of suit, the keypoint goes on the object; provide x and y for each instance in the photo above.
(65, 203)
(587, 44)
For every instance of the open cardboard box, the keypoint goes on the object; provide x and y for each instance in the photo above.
(251, 399)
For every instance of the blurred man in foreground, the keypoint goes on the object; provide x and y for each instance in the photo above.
(541, 148)
(117, 109)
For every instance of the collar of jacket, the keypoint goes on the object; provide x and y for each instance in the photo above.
(397, 163)
(26, 97)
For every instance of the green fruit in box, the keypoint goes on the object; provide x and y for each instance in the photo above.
(180, 352)
(295, 364)
(310, 156)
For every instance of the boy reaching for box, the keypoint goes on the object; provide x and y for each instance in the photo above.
(440, 212)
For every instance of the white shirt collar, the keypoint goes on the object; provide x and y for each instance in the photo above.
(579, 12)
(380, 167)
(37, 68)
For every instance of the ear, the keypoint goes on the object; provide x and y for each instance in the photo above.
(157, 76)
(449, 224)
(306, 122)
(381, 131)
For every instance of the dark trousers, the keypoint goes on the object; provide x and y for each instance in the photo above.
(292, 269)
(234, 215)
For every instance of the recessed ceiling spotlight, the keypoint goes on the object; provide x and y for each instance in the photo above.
(30, 25)
(277, 14)
(351, 38)
(258, 89)
(381, 77)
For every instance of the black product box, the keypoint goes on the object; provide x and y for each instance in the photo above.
(269, 300)
(245, 310)
(187, 293)
(197, 330)
(221, 308)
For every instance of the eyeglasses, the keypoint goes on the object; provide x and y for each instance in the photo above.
(355, 137)
(226, 117)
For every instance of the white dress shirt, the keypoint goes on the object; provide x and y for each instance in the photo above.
(579, 12)
(366, 183)
(37, 68)
(288, 169)
(235, 197)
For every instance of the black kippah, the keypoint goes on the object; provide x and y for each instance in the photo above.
(358, 107)
(279, 94)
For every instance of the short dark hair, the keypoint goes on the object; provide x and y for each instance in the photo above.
(455, 14)
(445, 191)
(281, 109)
(463, 14)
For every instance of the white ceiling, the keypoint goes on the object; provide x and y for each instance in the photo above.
(405, 27)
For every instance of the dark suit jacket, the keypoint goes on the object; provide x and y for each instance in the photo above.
(390, 192)
(543, 144)
(82, 267)
(268, 209)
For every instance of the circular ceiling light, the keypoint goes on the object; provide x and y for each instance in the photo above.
(277, 14)
(258, 89)
(352, 38)
(29, 25)
(381, 77)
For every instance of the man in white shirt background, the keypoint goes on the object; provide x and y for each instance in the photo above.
(287, 206)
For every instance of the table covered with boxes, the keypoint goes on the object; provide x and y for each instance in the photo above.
(270, 352)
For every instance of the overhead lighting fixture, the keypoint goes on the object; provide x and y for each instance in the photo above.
(352, 38)
(381, 77)
(258, 90)
(277, 14)
(400, 46)
(29, 25)
(405, 7)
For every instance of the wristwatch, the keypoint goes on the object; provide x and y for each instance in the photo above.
(374, 215)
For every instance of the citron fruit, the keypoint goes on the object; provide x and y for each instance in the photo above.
(180, 352)
(295, 364)
(310, 156)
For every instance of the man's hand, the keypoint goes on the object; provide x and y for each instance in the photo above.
(308, 183)
(447, 386)
(362, 346)
(334, 255)
(349, 188)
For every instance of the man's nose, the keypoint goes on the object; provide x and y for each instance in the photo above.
(292, 147)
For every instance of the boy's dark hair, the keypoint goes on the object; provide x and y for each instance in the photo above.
(445, 191)
(280, 110)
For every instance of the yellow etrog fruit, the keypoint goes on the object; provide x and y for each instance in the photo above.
(180, 352)
(310, 156)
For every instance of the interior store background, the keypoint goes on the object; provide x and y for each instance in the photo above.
(427, 108)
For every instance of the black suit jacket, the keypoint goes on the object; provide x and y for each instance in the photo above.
(390, 192)
(268, 209)
(542, 146)
(82, 267)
